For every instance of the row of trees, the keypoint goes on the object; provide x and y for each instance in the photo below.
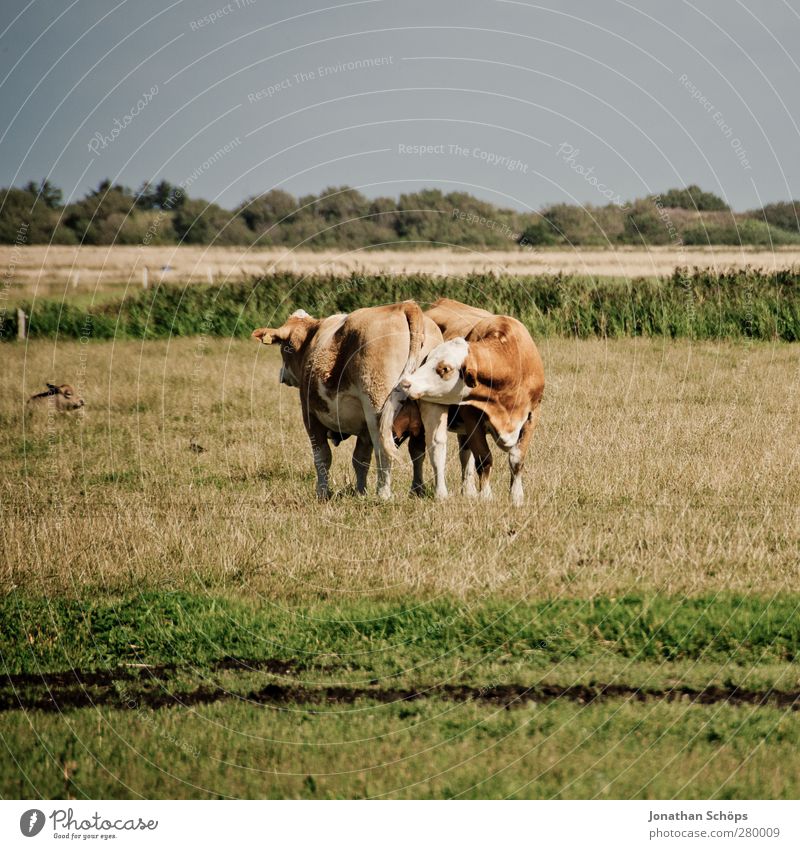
(344, 218)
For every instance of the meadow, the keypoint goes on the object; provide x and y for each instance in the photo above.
(180, 618)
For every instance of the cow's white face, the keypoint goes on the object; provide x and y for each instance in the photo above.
(440, 378)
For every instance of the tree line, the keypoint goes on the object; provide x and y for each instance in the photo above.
(342, 217)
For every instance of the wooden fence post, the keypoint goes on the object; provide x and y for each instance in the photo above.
(21, 326)
(144, 277)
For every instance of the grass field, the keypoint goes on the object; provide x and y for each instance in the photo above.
(188, 623)
(51, 271)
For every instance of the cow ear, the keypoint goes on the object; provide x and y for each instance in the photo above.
(469, 371)
(270, 335)
(52, 387)
(469, 375)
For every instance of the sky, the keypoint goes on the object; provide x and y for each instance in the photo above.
(520, 103)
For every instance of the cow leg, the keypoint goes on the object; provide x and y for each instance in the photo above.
(434, 421)
(382, 460)
(362, 457)
(416, 449)
(321, 452)
(475, 438)
(516, 461)
(467, 458)
(483, 464)
(516, 457)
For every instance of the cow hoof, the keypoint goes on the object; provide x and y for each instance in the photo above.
(417, 490)
(385, 494)
(470, 491)
(442, 495)
(486, 494)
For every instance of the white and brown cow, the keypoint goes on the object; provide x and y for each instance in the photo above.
(62, 398)
(345, 366)
(490, 368)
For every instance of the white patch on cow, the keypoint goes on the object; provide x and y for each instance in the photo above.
(439, 379)
(510, 439)
(299, 314)
(343, 410)
(434, 421)
(514, 463)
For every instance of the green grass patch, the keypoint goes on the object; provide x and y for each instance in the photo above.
(425, 749)
(186, 629)
(358, 736)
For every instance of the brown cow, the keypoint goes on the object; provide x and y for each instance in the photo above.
(345, 367)
(490, 367)
(62, 399)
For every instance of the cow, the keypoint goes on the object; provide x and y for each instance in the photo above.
(62, 398)
(345, 366)
(489, 367)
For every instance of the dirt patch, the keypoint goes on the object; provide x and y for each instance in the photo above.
(56, 692)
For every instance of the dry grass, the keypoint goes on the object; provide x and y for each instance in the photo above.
(658, 466)
(48, 271)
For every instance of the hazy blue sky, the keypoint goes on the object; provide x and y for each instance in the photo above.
(648, 95)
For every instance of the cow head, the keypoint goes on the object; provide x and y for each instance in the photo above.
(292, 336)
(446, 376)
(65, 397)
(407, 422)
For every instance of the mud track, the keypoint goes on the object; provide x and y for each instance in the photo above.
(142, 672)
(63, 691)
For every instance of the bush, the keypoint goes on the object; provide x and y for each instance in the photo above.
(701, 305)
(539, 233)
(785, 215)
(576, 225)
(692, 197)
(644, 225)
(196, 222)
(25, 220)
(746, 231)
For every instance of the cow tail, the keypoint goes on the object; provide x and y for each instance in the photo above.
(416, 334)
(390, 410)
